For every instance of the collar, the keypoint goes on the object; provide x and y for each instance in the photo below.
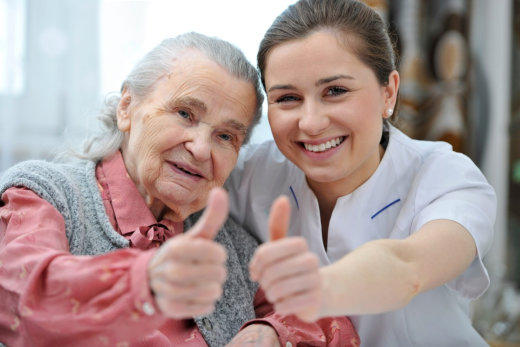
(131, 213)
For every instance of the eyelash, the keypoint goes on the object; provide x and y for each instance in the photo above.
(332, 91)
(187, 113)
(336, 91)
(286, 98)
(230, 137)
(187, 116)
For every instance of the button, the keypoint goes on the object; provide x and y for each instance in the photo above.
(148, 309)
(288, 344)
(207, 324)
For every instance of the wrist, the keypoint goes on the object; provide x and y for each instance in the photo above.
(328, 293)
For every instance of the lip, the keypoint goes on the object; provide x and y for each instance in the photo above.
(187, 170)
(325, 154)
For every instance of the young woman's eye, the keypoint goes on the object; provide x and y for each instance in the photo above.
(287, 98)
(334, 91)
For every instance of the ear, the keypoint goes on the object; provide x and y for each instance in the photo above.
(123, 110)
(391, 90)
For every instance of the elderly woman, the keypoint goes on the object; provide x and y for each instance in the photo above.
(93, 251)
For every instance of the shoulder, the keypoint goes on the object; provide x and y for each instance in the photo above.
(37, 169)
(433, 159)
(442, 184)
(403, 147)
(48, 179)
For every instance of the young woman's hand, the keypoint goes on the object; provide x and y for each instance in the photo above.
(287, 270)
(187, 272)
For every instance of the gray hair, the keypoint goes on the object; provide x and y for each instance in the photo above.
(157, 63)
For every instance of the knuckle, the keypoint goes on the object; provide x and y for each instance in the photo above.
(175, 271)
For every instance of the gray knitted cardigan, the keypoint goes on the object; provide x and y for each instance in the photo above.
(72, 189)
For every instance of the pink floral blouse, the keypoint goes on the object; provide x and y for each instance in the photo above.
(49, 297)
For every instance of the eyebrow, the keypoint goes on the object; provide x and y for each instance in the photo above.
(187, 101)
(333, 78)
(318, 83)
(237, 126)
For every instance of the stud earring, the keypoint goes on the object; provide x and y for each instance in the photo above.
(389, 112)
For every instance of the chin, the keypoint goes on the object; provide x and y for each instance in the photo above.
(180, 211)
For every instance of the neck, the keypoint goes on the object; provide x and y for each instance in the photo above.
(328, 193)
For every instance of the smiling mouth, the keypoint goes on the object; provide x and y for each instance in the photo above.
(322, 147)
(187, 172)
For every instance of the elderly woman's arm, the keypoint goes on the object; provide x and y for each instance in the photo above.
(45, 292)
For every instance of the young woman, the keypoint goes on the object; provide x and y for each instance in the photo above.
(399, 225)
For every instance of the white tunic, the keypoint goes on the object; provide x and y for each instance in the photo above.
(416, 182)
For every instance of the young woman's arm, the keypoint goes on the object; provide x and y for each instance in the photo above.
(381, 275)
(386, 274)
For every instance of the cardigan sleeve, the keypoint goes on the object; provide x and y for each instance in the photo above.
(46, 293)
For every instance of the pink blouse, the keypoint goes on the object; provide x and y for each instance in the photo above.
(49, 297)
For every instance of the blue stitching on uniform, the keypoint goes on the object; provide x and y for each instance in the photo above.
(384, 208)
(294, 196)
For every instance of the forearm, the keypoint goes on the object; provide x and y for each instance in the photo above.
(49, 292)
(374, 278)
(70, 295)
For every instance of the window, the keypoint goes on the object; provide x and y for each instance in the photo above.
(130, 28)
(12, 44)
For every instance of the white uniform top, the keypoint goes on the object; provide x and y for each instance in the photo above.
(416, 182)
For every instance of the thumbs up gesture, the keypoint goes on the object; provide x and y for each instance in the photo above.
(286, 269)
(188, 271)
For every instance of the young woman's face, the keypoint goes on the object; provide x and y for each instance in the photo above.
(326, 110)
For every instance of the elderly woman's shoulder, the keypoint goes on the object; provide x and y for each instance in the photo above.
(39, 175)
(45, 169)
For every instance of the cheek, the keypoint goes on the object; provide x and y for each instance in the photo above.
(279, 122)
(153, 141)
(157, 136)
(223, 164)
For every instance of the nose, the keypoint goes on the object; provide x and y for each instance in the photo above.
(199, 144)
(313, 120)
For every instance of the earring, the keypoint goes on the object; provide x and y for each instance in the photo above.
(389, 112)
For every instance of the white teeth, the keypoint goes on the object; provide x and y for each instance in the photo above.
(324, 146)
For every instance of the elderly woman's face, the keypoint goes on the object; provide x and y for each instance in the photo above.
(184, 137)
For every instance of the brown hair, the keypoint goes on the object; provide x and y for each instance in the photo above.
(370, 39)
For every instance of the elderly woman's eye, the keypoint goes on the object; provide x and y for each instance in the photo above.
(226, 137)
(184, 114)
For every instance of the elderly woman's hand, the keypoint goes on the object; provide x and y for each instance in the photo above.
(187, 272)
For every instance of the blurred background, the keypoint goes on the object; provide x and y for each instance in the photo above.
(459, 64)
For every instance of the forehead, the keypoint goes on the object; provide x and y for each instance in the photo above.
(323, 43)
(207, 86)
(325, 52)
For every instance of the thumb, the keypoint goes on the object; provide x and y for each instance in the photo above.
(279, 217)
(214, 216)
